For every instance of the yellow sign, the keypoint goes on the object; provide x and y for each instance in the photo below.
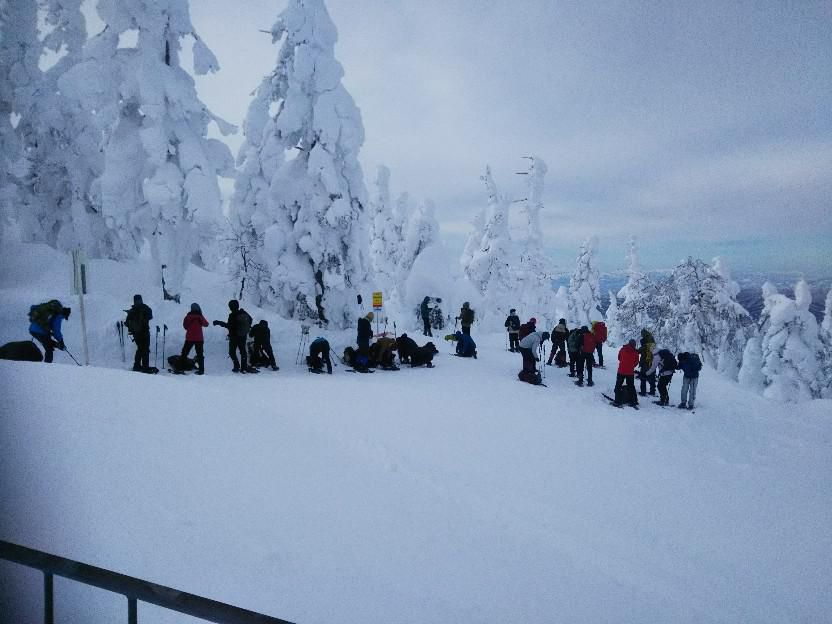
(377, 300)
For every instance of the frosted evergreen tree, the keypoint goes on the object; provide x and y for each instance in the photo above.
(422, 231)
(696, 307)
(751, 372)
(490, 268)
(533, 272)
(584, 286)
(638, 307)
(9, 144)
(309, 206)
(826, 346)
(386, 241)
(614, 335)
(472, 243)
(790, 346)
(159, 180)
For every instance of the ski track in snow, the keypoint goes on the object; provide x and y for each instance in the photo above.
(449, 494)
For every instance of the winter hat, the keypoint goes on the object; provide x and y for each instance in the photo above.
(562, 321)
(66, 312)
(195, 309)
(533, 321)
(512, 311)
(264, 323)
(544, 336)
(584, 328)
(632, 342)
(369, 316)
(137, 299)
(465, 304)
(234, 305)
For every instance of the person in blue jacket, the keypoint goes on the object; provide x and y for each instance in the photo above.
(465, 345)
(690, 365)
(45, 326)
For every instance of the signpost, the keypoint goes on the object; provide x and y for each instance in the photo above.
(79, 287)
(377, 305)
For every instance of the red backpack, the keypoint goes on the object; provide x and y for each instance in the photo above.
(599, 328)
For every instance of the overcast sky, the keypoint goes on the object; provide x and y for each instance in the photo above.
(703, 127)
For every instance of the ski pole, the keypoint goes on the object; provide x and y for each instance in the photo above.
(72, 356)
(156, 349)
(164, 336)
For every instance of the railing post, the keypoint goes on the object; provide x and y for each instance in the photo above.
(132, 611)
(48, 599)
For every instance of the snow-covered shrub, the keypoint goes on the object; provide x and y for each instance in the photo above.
(584, 286)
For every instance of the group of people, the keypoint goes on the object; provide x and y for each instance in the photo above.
(382, 352)
(581, 345)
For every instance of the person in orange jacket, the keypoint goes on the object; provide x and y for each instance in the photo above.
(599, 329)
(628, 357)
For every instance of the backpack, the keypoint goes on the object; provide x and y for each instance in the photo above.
(42, 313)
(669, 362)
(136, 320)
(599, 328)
(697, 363)
(243, 321)
(525, 330)
(179, 364)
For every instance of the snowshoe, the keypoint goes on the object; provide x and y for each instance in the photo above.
(150, 370)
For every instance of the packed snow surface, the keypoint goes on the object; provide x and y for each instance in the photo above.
(453, 494)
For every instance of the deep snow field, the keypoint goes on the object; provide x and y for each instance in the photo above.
(453, 494)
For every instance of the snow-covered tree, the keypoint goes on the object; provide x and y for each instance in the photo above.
(533, 270)
(614, 336)
(9, 144)
(751, 372)
(472, 243)
(490, 268)
(696, 309)
(584, 286)
(639, 299)
(826, 344)
(790, 346)
(309, 205)
(386, 241)
(422, 231)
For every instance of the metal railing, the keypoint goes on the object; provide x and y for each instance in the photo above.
(135, 590)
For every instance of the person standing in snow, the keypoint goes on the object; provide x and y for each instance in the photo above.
(45, 326)
(573, 343)
(690, 365)
(646, 368)
(238, 326)
(599, 330)
(586, 358)
(193, 324)
(559, 335)
(512, 326)
(666, 366)
(364, 334)
(466, 318)
(318, 356)
(627, 361)
(424, 311)
(262, 346)
(138, 325)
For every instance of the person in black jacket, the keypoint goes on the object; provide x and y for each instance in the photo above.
(365, 333)
(424, 310)
(318, 356)
(512, 326)
(262, 347)
(238, 325)
(138, 325)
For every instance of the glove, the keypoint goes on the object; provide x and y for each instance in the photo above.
(61, 346)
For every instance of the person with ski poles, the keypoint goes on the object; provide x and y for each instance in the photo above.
(529, 348)
(45, 321)
(138, 326)
(238, 326)
(512, 326)
(466, 318)
(193, 324)
(586, 358)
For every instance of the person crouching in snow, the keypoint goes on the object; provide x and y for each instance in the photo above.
(628, 357)
(529, 347)
(465, 345)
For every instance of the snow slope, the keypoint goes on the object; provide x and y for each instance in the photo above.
(446, 495)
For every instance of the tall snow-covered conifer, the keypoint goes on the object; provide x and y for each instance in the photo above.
(386, 242)
(309, 206)
(584, 286)
(638, 298)
(159, 179)
(472, 243)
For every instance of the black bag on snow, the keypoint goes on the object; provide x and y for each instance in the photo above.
(23, 351)
(178, 364)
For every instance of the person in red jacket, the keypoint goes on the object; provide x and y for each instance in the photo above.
(599, 329)
(628, 357)
(586, 357)
(193, 324)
